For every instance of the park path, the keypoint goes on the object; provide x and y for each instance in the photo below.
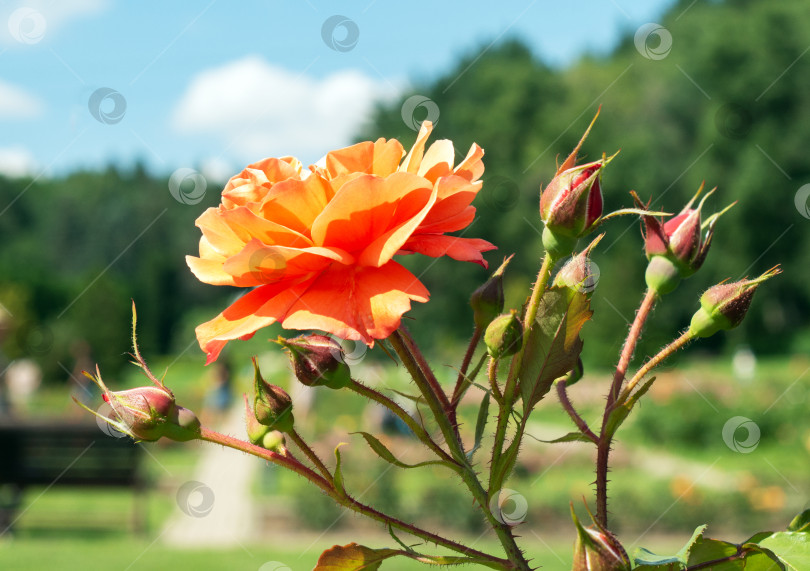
(216, 506)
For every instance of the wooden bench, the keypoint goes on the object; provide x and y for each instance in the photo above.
(48, 454)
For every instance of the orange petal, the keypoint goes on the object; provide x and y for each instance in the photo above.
(380, 157)
(259, 264)
(452, 223)
(438, 160)
(372, 302)
(243, 219)
(210, 271)
(462, 249)
(368, 207)
(472, 167)
(221, 238)
(414, 158)
(256, 309)
(454, 195)
(296, 203)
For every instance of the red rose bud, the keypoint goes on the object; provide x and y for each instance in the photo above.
(487, 301)
(579, 273)
(678, 247)
(571, 204)
(272, 404)
(262, 435)
(724, 306)
(147, 413)
(318, 360)
(596, 549)
(504, 336)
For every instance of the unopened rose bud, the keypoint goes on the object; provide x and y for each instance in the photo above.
(262, 435)
(147, 413)
(724, 306)
(570, 205)
(504, 336)
(678, 247)
(579, 273)
(487, 301)
(272, 404)
(318, 360)
(596, 549)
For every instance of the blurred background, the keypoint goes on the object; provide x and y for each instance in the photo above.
(120, 123)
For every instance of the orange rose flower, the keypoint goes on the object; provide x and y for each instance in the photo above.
(318, 245)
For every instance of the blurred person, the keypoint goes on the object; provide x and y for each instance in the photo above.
(219, 397)
(23, 378)
(81, 387)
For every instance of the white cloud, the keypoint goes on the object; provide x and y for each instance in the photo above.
(16, 103)
(262, 110)
(31, 21)
(16, 162)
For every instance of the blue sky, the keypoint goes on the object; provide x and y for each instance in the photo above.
(214, 85)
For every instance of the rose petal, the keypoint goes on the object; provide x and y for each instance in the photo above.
(462, 249)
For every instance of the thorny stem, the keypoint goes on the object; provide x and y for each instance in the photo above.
(492, 373)
(510, 387)
(421, 374)
(310, 453)
(346, 500)
(664, 353)
(605, 439)
(562, 393)
(417, 428)
(458, 391)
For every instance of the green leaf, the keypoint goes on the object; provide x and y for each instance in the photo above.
(480, 425)
(388, 456)
(705, 549)
(338, 477)
(619, 414)
(801, 522)
(646, 558)
(353, 557)
(552, 344)
(792, 548)
(570, 437)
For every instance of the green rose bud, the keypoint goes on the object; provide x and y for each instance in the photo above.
(504, 336)
(318, 360)
(272, 404)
